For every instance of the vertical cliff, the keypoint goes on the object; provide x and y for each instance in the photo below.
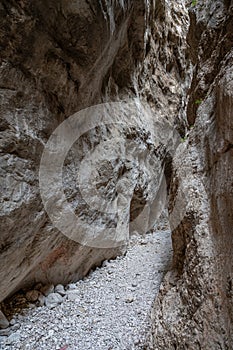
(57, 58)
(194, 307)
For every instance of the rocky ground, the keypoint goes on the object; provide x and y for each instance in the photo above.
(108, 309)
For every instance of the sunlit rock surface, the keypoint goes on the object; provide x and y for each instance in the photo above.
(58, 57)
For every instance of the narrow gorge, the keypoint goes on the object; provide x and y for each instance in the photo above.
(116, 134)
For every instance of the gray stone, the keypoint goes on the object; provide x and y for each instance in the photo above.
(60, 289)
(4, 323)
(12, 321)
(50, 332)
(73, 295)
(5, 332)
(13, 338)
(41, 300)
(81, 310)
(129, 299)
(71, 286)
(15, 327)
(53, 299)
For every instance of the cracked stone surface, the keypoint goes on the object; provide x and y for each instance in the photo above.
(58, 58)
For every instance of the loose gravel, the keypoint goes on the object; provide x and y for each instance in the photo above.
(107, 310)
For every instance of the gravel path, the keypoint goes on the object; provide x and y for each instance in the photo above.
(108, 310)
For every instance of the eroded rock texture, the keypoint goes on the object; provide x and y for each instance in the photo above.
(58, 57)
(194, 307)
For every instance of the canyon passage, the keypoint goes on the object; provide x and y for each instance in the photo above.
(116, 163)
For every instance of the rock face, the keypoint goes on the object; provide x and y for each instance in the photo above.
(194, 307)
(57, 58)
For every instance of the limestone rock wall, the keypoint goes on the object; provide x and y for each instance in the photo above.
(194, 307)
(58, 57)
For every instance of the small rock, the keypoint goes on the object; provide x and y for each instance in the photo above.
(73, 295)
(60, 289)
(81, 310)
(71, 286)
(13, 338)
(15, 327)
(51, 333)
(20, 318)
(12, 322)
(47, 289)
(5, 332)
(105, 263)
(31, 306)
(3, 320)
(129, 299)
(32, 295)
(53, 300)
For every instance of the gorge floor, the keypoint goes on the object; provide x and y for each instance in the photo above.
(107, 310)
